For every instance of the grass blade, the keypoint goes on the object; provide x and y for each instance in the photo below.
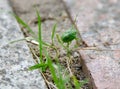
(76, 83)
(59, 39)
(37, 66)
(39, 35)
(53, 33)
(51, 68)
(16, 41)
(46, 44)
(82, 82)
(24, 24)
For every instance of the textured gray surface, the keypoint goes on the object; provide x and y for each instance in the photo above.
(15, 58)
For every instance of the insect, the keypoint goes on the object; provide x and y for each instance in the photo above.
(69, 35)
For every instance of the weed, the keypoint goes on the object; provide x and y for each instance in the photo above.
(53, 33)
(61, 78)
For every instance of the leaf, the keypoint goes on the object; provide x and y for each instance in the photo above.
(53, 32)
(39, 35)
(37, 66)
(83, 82)
(51, 68)
(59, 39)
(24, 24)
(16, 41)
(76, 83)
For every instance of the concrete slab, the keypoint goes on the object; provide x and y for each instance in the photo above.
(15, 58)
(98, 22)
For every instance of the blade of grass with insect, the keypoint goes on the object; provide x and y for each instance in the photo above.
(39, 35)
(53, 33)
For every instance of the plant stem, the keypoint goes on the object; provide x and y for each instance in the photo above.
(68, 49)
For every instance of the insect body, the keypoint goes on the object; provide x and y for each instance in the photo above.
(69, 35)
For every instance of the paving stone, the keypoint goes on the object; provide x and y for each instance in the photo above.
(98, 22)
(15, 58)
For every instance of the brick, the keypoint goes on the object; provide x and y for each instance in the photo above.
(99, 23)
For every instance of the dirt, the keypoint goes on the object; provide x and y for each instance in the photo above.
(51, 11)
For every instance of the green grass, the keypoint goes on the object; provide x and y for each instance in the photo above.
(39, 36)
(61, 79)
(53, 33)
(25, 25)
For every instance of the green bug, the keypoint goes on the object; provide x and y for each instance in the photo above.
(69, 35)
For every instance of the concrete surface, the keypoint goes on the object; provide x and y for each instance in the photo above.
(15, 58)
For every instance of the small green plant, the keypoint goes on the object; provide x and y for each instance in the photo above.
(61, 78)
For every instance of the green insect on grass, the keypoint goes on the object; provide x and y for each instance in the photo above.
(69, 35)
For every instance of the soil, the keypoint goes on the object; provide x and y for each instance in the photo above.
(51, 11)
